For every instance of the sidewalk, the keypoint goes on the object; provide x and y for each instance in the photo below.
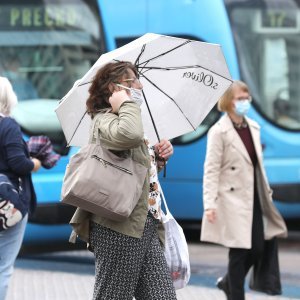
(70, 275)
(63, 281)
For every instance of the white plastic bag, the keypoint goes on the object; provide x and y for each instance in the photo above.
(176, 250)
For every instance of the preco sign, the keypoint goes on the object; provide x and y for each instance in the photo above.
(39, 17)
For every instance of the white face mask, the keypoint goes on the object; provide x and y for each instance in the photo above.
(136, 95)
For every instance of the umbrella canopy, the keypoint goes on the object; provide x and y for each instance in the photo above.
(182, 80)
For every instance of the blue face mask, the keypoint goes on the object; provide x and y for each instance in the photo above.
(242, 107)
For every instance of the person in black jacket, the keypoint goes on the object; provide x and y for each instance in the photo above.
(16, 165)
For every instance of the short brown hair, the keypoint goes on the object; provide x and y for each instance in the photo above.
(225, 100)
(99, 91)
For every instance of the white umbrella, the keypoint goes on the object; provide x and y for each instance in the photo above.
(182, 80)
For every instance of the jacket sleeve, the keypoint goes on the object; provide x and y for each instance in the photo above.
(121, 131)
(212, 167)
(14, 148)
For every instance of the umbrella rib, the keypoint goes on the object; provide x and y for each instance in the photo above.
(139, 56)
(68, 143)
(170, 99)
(169, 69)
(164, 53)
(152, 119)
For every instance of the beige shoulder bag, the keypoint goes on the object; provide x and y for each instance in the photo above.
(103, 183)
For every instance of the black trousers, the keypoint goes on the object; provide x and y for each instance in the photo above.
(241, 260)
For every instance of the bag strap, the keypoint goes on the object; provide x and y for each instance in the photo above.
(164, 199)
(92, 128)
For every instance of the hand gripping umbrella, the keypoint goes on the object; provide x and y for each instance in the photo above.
(182, 80)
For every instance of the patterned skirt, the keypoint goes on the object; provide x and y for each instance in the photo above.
(128, 267)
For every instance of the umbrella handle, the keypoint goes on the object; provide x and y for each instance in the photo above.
(164, 165)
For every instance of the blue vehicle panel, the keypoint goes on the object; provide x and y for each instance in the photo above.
(55, 44)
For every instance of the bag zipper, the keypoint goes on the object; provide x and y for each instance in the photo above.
(105, 162)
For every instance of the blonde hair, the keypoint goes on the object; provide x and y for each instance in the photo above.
(224, 102)
(8, 98)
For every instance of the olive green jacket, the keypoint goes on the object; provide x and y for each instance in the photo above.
(119, 132)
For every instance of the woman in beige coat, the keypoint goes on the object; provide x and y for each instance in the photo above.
(238, 208)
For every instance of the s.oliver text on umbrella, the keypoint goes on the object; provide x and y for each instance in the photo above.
(206, 79)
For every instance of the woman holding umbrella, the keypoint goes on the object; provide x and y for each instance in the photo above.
(129, 258)
(238, 208)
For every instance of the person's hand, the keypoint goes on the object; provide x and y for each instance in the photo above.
(37, 164)
(117, 98)
(211, 215)
(164, 149)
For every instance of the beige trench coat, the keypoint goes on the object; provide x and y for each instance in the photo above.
(228, 187)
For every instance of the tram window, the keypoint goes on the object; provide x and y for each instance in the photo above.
(268, 41)
(44, 49)
(40, 78)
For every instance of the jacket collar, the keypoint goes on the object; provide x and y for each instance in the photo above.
(226, 123)
(234, 138)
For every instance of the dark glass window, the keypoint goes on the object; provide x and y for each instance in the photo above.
(267, 36)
